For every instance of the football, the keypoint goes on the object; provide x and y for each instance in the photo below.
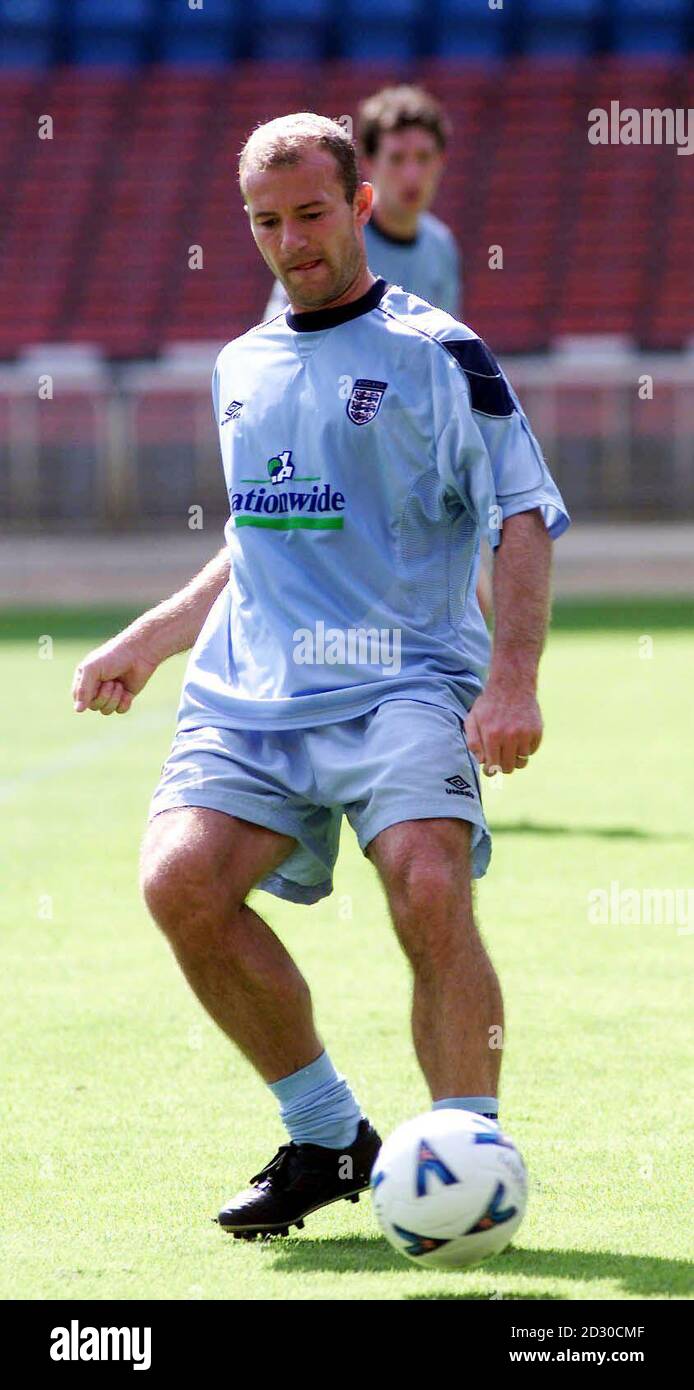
(449, 1189)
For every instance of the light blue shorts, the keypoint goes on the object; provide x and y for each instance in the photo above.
(403, 760)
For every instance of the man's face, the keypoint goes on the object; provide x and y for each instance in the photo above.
(306, 231)
(406, 169)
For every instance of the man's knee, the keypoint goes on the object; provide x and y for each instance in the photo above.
(424, 864)
(426, 873)
(182, 875)
(428, 889)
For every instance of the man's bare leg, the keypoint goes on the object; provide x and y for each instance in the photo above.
(197, 867)
(457, 1007)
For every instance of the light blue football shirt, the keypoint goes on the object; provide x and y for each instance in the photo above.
(366, 449)
(427, 264)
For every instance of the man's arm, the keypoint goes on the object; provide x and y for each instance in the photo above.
(504, 726)
(112, 675)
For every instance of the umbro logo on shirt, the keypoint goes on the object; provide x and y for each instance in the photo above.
(457, 786)
(232, 412)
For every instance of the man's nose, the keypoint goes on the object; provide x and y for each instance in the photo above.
(293, 238)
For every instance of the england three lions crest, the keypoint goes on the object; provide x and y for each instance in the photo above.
(365, 400)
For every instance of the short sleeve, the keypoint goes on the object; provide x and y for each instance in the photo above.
(486, 415)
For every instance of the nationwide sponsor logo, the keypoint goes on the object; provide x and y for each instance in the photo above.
(457, 786)
(232, 412)
(282, 508)
(365, 401)
(281, 468)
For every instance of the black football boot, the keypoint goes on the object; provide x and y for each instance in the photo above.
(298, 1180)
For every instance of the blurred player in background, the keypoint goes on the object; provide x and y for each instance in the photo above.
(403, 134)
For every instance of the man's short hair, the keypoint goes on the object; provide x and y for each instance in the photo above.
(284, 140)
(399, 108)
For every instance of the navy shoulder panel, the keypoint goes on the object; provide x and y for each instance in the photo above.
(488, 391)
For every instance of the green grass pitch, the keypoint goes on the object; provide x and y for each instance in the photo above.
(128, 1118)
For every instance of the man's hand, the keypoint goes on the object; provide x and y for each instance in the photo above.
(111, 676)
(504, 727)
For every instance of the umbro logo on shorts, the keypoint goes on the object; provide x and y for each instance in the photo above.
(457, 786)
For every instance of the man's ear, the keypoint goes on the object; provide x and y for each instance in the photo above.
(363, 201)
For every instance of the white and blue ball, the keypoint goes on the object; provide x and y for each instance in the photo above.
(449, 1189)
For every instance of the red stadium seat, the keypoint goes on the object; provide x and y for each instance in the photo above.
(99, 221)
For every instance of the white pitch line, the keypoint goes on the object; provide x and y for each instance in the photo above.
(88, 752)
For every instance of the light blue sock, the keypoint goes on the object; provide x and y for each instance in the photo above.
(317, 1106)
(482, 1105)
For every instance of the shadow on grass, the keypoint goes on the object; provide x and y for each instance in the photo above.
(638, 1275)
(589, 832)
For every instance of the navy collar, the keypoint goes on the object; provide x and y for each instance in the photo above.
(314, 320)
(388, 236)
